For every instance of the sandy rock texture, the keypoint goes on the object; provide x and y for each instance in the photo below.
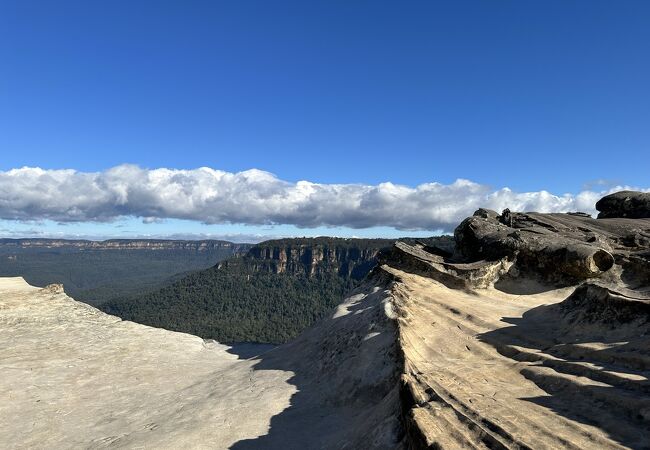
(488, 369)
(74, 377)
(533, 334)
(347, 370)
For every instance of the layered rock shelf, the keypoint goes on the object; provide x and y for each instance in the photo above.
(534, 333)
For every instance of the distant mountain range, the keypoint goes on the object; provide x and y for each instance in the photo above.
(97, 271)
(124, 244)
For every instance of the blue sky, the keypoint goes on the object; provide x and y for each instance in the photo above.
(528, 95)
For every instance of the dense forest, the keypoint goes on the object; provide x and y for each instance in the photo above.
(270, 295)
(235, 304)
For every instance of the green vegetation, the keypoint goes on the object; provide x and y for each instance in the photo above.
(236, 304)
(270, 295)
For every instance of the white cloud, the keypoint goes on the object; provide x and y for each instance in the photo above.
(256, 197)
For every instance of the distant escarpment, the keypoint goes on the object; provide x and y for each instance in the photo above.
(124, 244)
(348, 258)
(270, 295)
(98, 271)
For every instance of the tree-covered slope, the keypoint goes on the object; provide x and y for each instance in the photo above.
(270, 295)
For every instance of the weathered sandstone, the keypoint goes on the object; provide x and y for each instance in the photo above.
(634, 205)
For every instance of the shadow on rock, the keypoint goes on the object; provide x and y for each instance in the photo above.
(346, 373)
(591, 370)
(248, 350)
(516, 286)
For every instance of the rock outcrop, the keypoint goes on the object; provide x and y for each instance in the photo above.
(74, 377)
(535, 333)
(634, 205)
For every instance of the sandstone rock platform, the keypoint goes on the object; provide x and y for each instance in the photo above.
(74, 377)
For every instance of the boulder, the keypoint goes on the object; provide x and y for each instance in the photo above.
(630, 204)
(486, 213)
(536, 244)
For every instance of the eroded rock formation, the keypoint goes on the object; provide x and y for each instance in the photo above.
(634, 205)
(534, 333)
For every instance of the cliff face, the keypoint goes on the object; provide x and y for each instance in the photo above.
(349, 258)
(125, 244)
(275, 291)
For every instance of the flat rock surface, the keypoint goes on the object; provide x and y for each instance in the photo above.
(74, 377)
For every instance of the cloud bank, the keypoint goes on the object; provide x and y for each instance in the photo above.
(256, 197)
